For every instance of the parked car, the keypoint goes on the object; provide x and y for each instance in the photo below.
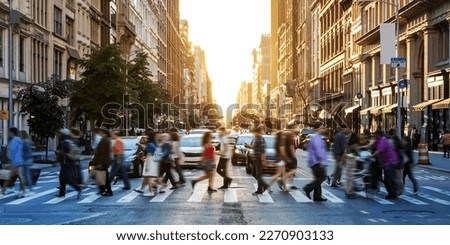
(191, 150)
(302, 136)
(240, 152)
(270, 165)
(305, 142)
(132, 156)
(182, 132)
(198, 131)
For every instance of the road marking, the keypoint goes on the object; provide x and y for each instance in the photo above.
(55, 180)
(163, 196)
(128, 197)
(330, 196)
(265, 197)
(383, 220)
(16, 193)
(431, 198)
(304, 172)
(444, 192)
(230, 195)
(60, 199)
(299, 196)
(364, 212)
(35, 196)
(91, 198)
(46, 177)
(198, 193)
(81, 219)
(436, 177)
(375, 198)
(406, 198)
(373, 220)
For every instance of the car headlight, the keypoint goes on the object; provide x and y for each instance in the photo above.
(237, 151)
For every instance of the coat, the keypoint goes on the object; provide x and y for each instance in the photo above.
(102, 155)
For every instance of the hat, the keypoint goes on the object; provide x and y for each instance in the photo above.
(65, 132)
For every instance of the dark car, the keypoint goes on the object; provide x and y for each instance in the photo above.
(270, 165)
(240, 152)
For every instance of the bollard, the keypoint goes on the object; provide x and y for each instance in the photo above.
(424, 158)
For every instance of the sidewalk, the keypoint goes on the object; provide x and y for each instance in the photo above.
(436, 160)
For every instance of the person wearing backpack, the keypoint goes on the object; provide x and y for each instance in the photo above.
(67, 160)
(27, 144)
(15, 155)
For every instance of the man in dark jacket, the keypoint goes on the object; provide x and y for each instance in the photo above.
(339, 146)
(102, 161)
(258, 158)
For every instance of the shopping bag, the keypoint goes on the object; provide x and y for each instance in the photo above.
(5, 174)
(99, 176)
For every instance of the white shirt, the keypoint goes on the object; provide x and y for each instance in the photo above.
(226, 142)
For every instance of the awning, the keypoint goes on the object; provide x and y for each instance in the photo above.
(421, 106)
(367, 110)
(351, 109)
(442, 105)
(388, 109)
(73, 53)
(377, 109)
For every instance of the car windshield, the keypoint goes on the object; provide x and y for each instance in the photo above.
(191, 142)
(244, 139)
(130, 144)
(270, 142)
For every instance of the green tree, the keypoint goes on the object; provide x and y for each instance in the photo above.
(41, 102)
(103, 85)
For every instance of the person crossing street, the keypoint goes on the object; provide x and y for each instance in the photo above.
(225, 155)
(118, 164)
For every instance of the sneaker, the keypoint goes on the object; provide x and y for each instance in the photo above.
(257, 193)
(149, 194)
(126, 188)
(79, 194)
(138, 190)
(334, 186)
(416, 193)
(29, 193)
(21, 194)
(210, 190)
(351, 196)
(60, 196)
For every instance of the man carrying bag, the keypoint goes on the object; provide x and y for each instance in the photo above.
(101, 163)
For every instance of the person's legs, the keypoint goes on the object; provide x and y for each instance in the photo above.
(398, 181)
(210, 175)
(413, 179)
(278, 174)
(62, 180)
(27, 174)
(179, 171)
(337, 171)
(320, 175)
(114, 170)
(222, 171)
(259, 177)
(389, 181)
(350, 167)
(107, 186)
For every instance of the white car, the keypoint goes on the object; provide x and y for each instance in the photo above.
(191, 150)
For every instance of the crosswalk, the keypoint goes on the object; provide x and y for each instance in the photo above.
(239, 192)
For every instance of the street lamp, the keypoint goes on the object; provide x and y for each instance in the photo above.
(396, 4)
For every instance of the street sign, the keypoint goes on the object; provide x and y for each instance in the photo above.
(4, 115)
(403, 83)
(397, 62)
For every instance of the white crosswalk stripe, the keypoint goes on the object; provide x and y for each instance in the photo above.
(198, 192)
(375, 198)
(331, 197)
(93, 197)
(431, 198)
(443, 192)
(163, 196)
(265, 197)
(35, 196)
(406, 198)
(15, 193)
(230, 194)
(128, 197)
(60, 199)
(299, 196)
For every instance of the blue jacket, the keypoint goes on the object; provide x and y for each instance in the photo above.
(15, 152)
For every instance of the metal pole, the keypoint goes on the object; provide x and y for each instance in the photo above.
(10, 69)
(397, 70)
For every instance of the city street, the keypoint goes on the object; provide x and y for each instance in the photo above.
(235, 206)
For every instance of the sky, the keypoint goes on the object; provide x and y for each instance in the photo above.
(228, 31)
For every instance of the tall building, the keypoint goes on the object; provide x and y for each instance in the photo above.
(201, 75)
(261, 74)
(190, 87)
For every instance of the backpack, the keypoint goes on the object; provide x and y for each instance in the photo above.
(74, 152)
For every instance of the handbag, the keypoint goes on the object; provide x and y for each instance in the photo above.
(5, 174)
(99, 176)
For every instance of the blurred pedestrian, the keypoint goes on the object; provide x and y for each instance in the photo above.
(446, 143)
(208, 163)
(350, 165)
(118, 166)
(226, 152)
(15, 156)
(409, 165)
(339, 147)
(67, 163)
(258, 156)
(167, 160)
(175, 140)
(27, 160)
(290, 159)
(102, 161)
(398, 146)
(150, 171)
(385, 152)
(78, 172)
(281, 159)
(317, 161)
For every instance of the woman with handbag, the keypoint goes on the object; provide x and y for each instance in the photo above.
(208, 162)
(151, 167)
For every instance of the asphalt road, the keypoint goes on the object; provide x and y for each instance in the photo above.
(236, 206)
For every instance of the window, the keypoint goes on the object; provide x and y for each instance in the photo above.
(57, 66)
(58, 21)
(1, 48)
(113, 17)
(70, 35)
(21, 54)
